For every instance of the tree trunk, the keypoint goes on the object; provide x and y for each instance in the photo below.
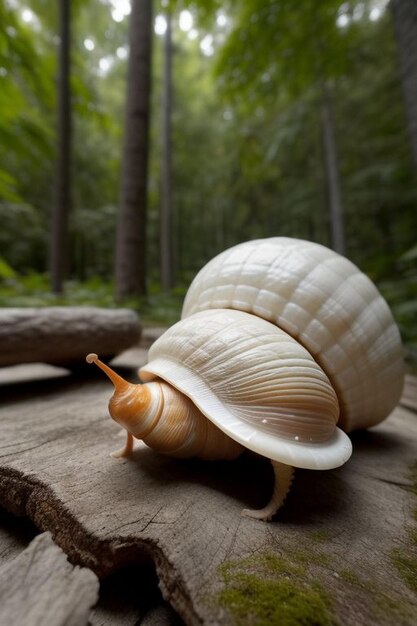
(131, 228)
(337, 225)
(405, 23)
(166, 217)
(62, 195)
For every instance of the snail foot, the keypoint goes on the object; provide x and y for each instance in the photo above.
(264, 515)
(127, 448)
(284, 475)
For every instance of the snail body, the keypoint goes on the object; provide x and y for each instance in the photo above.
(282, 344)
(170, 423)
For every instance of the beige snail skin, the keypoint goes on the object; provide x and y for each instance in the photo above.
(283, 345)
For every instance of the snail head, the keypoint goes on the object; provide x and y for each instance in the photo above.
(129, 401)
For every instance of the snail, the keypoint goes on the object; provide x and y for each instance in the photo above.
(283, 347)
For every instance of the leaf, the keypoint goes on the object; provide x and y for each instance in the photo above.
(5, 270)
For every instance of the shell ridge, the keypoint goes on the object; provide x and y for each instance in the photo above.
(335, 312)
(321, 455)
(233, 378)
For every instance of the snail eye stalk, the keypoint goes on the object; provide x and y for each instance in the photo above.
(119, 382)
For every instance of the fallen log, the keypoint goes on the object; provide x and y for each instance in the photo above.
(64, 335)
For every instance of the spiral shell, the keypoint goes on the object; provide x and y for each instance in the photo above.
(324, 302)
(256, 384)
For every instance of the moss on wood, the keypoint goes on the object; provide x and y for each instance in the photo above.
(319, 536)
(269, 590)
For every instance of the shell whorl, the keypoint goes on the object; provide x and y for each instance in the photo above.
(255, 383)
(324, 302)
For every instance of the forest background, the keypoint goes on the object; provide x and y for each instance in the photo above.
(266, 118)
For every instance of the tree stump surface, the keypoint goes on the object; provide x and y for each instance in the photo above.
(345, 540)
(15, 535)
(41, 587)
(409, 397)
(63, 335)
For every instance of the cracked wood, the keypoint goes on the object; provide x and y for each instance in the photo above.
(185, 515)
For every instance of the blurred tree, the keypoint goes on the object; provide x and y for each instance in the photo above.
(166, 211)
(28, 43)
(331, 158)
(405, 21)
(131, 225)
(247, 145)
(295, 47)
(62, 200)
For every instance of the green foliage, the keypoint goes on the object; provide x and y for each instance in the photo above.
(289, 43)
(272, 69)
(93, 234)
(282, 86)
(27, 135)
(22, 236)
(247, 145)
(401, 293)
(5, 270)
(26, 103)
(32, 289)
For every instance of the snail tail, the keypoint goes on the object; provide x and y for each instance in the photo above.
(284, 475)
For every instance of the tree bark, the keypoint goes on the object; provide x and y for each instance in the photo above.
(404, 14)
(62, 199)
(337, 226)
(131, 229)
(166, 217)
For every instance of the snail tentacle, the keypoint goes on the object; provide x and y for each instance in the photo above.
(283, 475)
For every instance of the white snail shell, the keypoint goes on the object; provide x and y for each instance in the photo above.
(278, 388)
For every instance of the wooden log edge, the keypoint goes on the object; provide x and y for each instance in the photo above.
(23, 495)
(40, 586)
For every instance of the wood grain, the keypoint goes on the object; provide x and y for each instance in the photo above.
(409, 396)
(184, 516)
(15, 535)
(41, 587)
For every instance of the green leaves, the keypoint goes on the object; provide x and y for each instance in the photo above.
(7, 186)
(247, 148)
(5, 270)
